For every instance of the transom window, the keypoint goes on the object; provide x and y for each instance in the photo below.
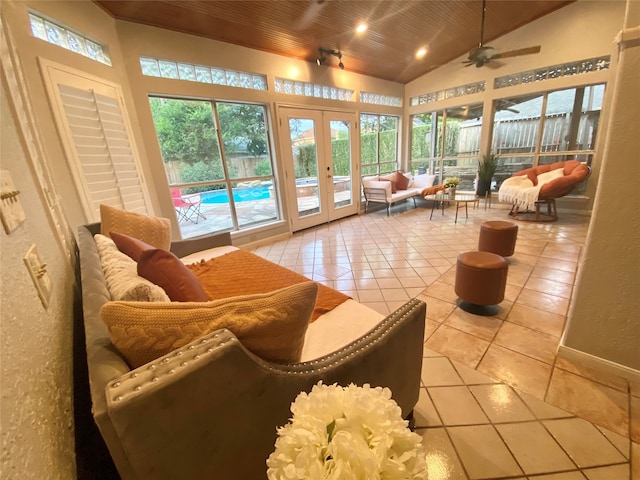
(55, 33)
(154, 67)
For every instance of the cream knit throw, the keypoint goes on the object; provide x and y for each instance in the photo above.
(519, 191)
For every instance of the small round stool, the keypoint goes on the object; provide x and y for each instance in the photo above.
(481, 278)
(498, 237)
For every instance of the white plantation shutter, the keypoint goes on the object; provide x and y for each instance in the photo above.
(95, 133)
(103, 148)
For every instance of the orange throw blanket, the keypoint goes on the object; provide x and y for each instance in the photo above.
(244, 273)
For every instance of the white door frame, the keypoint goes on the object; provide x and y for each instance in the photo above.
(322, 119)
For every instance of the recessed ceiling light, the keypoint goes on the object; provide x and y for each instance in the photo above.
(421, 52)
(362, 27)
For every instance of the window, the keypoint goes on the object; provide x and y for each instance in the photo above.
(378, 143)
(58, 35)
(545, 128)
(307, 89)
(211, 149)
(447, 143)
(153, 67)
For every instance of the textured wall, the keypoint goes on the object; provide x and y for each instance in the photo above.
(36, 414)
(603, 321)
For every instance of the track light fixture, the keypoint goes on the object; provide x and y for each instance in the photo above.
(322, 59)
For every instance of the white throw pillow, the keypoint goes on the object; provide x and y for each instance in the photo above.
(423, 180)
(368, 179)
(121, 275)
(382, 184)
(550, 176)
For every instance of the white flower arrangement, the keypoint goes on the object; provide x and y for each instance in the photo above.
(346, 433)
(451, 182)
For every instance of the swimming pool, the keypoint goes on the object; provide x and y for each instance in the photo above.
(239, 195)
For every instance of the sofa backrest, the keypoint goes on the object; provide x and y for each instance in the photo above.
(104, 362)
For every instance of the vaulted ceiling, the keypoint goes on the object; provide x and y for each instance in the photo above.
(298, 28)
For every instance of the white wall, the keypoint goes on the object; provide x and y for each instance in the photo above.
(582, 30)
(36, 409)
(604, 319)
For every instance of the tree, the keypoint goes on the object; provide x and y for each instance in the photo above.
(186, 130)
(243, 127)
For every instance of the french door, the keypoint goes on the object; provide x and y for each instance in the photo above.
(319, 150)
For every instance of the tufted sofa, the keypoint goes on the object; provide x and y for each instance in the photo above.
(530, 189)
(211, 408)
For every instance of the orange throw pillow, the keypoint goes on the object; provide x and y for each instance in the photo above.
(167, 271)
(402, 182)
(130, 246)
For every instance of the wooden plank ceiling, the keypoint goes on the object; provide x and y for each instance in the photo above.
(298, 28)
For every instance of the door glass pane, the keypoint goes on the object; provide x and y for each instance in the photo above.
(341, 163)
(305, 162)
(188, 140)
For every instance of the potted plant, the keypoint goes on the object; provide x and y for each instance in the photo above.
(451, 183)
(486, 169)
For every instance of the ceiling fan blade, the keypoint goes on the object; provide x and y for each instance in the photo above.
(517, 53)
(310, 14)
(493, 64)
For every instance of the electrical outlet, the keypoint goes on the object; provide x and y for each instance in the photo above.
(38, 271)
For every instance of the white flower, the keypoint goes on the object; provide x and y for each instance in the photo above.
(346, 433)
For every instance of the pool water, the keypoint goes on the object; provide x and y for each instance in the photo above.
(239, 195)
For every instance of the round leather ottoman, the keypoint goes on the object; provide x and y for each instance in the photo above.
(481, 278)
(498, 237)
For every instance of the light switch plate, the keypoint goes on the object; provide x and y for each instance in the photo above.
(10, 207)
(37, 270)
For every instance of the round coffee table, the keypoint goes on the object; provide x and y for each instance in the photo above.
(459, 199)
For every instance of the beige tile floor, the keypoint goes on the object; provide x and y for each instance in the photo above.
(496, 402)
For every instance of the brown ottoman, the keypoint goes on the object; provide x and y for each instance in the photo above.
(498, 237)
(481, 278)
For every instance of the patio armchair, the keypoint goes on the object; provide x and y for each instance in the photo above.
(187, 206)
(530, 189)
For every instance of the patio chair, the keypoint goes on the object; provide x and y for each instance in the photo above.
(187, 206)
(530, 189)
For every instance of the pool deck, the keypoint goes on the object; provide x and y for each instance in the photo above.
(218, 217)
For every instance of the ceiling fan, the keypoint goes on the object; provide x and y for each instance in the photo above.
(310, 14)
(483, 54)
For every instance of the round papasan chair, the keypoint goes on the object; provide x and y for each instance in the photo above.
(530, 189)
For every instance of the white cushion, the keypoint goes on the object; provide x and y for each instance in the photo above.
(382, 184)
(423, 180)
(121, 275)
(370, 178)
(410, 177)
(550, 176)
